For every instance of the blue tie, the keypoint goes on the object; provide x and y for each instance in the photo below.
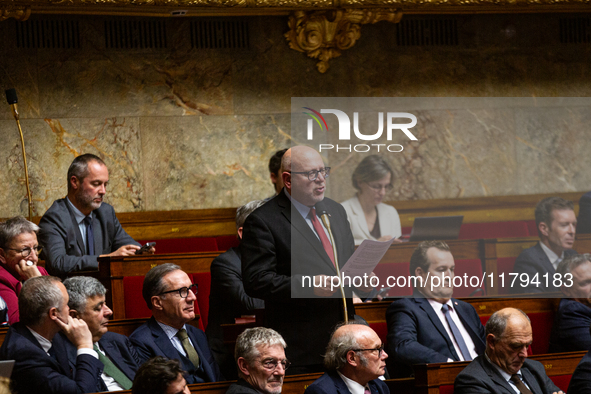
(89, 235)
(457, 334)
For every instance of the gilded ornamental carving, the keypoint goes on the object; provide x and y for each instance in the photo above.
(20, 13)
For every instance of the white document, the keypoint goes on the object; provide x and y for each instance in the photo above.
(366, 257)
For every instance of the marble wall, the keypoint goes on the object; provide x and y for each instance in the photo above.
(183, 128)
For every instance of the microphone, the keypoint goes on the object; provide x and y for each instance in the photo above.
(325, 217)
(12, 100)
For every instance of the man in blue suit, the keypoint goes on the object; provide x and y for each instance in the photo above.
(557, 224)
(355, 359)
(115, 351)
(46, 362)
(170, 295)
(432, 327)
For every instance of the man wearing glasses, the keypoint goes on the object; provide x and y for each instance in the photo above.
(19, 253)
(355, 359)
(171, 296)
(282, 242)
(260, 355)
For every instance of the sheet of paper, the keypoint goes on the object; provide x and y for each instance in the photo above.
(366, 257)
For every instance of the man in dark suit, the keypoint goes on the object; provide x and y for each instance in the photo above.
(570, 331)
(115, 351)
(580, 382)
(557, 223)
(432, 327)
(283, 244)
(584, 219)
(227, 299)
(505, 369)
(260, 356)
(47, 362)
(355, 359)
(77, 229)
(171, 296)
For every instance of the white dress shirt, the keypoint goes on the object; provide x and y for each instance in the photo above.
(111, 383)
(553, 257)
(507, 377)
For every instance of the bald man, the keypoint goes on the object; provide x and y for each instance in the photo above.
(355, 359)
(505, 368)
(285, 240)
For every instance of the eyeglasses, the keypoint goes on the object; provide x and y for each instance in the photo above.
(183, 291)
(272, 364)
(379, 349)
(379, 188)
(26, 252)
(313, 175)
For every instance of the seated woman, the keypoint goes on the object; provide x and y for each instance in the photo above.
(368, 216)
(19, 253)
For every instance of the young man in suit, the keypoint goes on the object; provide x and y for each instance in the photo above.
(77, 229)
(355, 358)
(171, 296)
(283, 242)
(260, 356)
(115, 351)
(227, 299)
(432, 327)
(47, 362)
(557, 224)
(505, 368)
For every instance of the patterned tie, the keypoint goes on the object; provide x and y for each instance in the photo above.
(321, 234)
(189, 349)
(89, 235)
(456, 332)
(522, 388)
(112, 370)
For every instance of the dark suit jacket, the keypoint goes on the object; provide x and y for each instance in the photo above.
(278, 248)
(151, 341)
(580, 382)
(63, 247)
(584, 219)
(227, 301)
(534, 261)
(241, 387)
(480, 376)
(36, 372)
(121, 352)
(570, 331)
(416, 335)
(331, 383)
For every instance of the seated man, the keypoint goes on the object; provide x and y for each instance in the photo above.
(570, 331)
(557, 223)
(46, 362)
(260, 355)
(160, 375)
(355, 359)
(77, 229)
(580, 382)
(19, 253)
(432, 327)
(115, 351)
(170, 295)
(227, 299)
(505, 368)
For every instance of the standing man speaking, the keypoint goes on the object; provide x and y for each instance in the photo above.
(285, 240)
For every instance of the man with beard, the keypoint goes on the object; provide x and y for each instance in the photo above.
(77, 229)
(355, 358)
(505, 368)
(260, 356)
(432, 327)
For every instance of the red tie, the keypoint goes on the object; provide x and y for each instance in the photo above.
(320, 231)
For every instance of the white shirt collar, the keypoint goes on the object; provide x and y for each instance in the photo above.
(44, 342)
(301, 208)
(353, 386)
(170, 331)
(553, 257)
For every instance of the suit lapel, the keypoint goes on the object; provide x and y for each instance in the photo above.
(480, 346)
(339, 383)
(495, 376)
(204, 364)
(98, 233)
(425, 306)
(163, 342)
(531, 380)
(360, 218)
(115, 356)
(79, 240)
(544, 259)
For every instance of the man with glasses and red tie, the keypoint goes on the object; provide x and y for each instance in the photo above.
(19, 253)
(260, 356)
(285, 241)
(355, 359)
(171, 296)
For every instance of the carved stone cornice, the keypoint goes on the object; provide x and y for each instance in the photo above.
(324, 35)
(20, 13)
